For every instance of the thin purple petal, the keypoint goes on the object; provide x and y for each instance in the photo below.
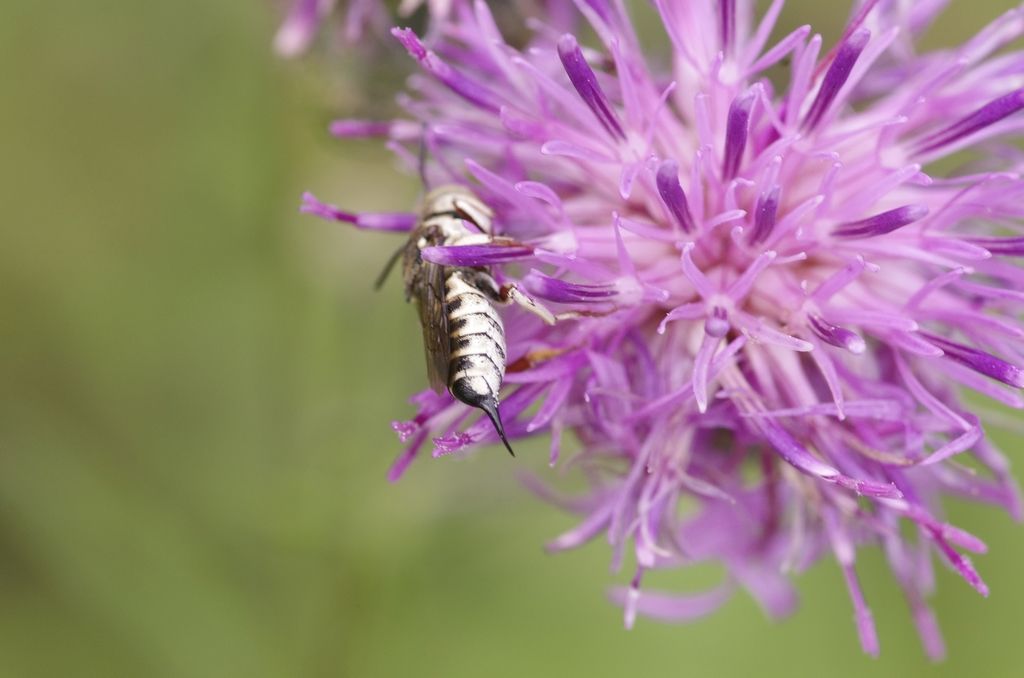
(584, 80)
(476, 255)
(672, 195)
(764, 216)
(372, 221)
(979, 361)
(736, 134)
(880, 224)
(836, 76)
(989, 114)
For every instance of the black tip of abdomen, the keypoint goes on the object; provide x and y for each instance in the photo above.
(463, 392)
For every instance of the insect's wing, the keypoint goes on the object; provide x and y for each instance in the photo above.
(434, 318)
(425, 283)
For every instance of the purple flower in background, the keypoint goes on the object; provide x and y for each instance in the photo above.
(304, 18)
(359, 18)
(772, 294)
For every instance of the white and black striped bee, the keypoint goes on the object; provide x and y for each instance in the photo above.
(463, 336)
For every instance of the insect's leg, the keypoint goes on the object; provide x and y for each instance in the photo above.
(485, 282)
(510, 293)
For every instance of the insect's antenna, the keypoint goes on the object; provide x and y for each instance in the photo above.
(422, 158)
(421, 168)
(490, 408)
(392, 260)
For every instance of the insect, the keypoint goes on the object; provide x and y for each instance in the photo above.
(463, 336)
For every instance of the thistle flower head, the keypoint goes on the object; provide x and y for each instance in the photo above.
(773, 290)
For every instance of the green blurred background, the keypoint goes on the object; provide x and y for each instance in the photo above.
(193, 442)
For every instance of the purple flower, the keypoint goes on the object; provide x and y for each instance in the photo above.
(304, 18)
(302, 22)
(360, 18)
(771, 298)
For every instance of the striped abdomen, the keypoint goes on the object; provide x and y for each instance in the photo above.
(477, 340)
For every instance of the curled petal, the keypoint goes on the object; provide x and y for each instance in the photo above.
(553, 289)
(837, 336)
(372, 221)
